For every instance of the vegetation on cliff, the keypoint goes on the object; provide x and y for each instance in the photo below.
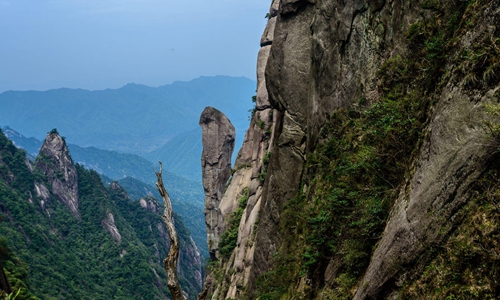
(134, 173)
(365, 155)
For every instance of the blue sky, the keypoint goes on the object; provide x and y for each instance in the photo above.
(98, 44)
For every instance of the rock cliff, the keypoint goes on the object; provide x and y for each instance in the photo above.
(372, 144)
(190, 260)
(56, 163)
(218, 144)
(241, 203)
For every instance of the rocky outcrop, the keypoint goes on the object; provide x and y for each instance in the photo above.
(150, 203)
(324, 57)
(56, 163)
(218, 144)
(190, 256)
(456, 152)
(109, 224)
(42, 193)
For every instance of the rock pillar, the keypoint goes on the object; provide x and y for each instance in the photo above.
(218, 144)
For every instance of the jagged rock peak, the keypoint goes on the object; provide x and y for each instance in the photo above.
(218, 144)
(55, 147)
(246, 186)
(118, 189)
(55, 162)
(115, 186)
(218, 134)
(150, 203)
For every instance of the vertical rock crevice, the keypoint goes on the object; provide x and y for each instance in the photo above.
(249, 176)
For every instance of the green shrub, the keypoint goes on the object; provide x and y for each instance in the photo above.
(229, 238)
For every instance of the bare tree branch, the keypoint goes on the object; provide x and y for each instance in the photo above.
(170, 261)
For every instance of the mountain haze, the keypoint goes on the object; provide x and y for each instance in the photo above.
(181, 155)
(135, 118)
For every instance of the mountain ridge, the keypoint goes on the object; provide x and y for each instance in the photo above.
(79, 238)
(187, 196)
(134, 118)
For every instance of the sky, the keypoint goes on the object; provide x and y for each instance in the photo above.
(99, 44)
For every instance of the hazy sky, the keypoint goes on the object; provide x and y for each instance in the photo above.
(97, 44)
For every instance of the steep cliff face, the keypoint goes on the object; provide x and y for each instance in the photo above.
(384, 138)
(241, 203)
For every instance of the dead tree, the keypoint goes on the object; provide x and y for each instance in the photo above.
(4, 282)
(170, 261)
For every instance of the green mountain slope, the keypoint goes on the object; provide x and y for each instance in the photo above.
(136, 175)
(72, 256)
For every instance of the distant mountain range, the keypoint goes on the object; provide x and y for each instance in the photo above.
(181, 155)
(134, 119)
(157, 123)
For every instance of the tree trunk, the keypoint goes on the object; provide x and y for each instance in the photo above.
(171, 260)
(4, 283)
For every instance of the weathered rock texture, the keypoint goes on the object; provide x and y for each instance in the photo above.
(150, 203)
(109, 224)
(455, 153)
(250, 172)
(42, 193)
(191, 256)
(56, 163)
(326, 57)
(218, 144)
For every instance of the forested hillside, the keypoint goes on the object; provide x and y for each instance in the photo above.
(136, 175)
(102, 245)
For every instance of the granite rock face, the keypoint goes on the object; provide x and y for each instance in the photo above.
(250, 173)
(191, 256)
(42, 193)
(56, 163)
(218, 144)
(456, 152)
(324, 56)
(150, 203)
